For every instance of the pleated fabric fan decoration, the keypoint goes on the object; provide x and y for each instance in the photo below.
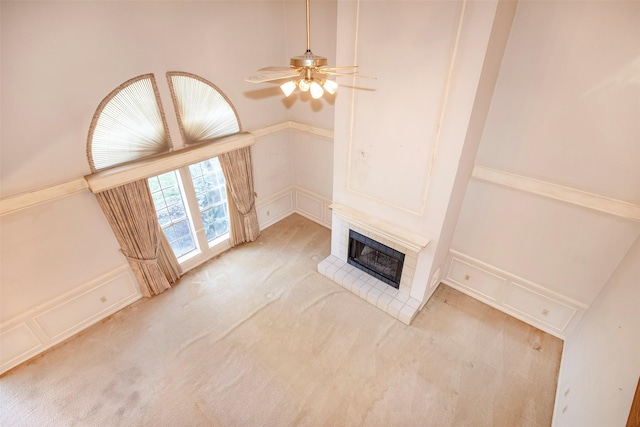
(203, 111)
(128, 124)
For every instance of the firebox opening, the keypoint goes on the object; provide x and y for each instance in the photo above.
(376, 259)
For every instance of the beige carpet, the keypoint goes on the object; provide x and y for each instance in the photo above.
(258, 338)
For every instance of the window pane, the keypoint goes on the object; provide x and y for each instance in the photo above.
(182, 229)
(195, 169)
(172, 212)
(199, 184)
(177, 212)
(170, 233)
(209, 184)
(172, 195)
(214, 196)
(158, 200)
(154, 185)
(163, 217)
(167, 179)
(186, 244)
(221, 219)
(210, 165)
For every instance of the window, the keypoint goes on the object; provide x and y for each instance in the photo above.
(190, 202)
(199, 188)
(211, 193)
(172, 213)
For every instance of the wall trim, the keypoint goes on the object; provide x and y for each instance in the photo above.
(31, 198)
(572, 196)
(35, 197)
(313, 130)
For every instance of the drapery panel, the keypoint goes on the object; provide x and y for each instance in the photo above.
(237, 167)
(130, 212)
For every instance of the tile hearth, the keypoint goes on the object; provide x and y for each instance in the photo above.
(390, 300)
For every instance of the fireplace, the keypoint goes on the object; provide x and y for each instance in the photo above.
(376, 259)
(356, 239)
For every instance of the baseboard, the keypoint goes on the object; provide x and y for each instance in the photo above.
(527, 301)
(44, 326)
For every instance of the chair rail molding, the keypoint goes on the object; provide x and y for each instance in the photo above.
(572, 196)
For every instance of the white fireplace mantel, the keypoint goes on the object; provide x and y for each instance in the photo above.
(385, 229)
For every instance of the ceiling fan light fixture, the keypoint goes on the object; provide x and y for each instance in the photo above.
(288, 87)
(330, 86)
(304, 85)
(316, 90)
(308, 71)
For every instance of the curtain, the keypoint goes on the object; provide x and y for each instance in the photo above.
(130, 212)
(237, 167)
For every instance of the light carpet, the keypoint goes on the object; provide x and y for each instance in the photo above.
(256, 337)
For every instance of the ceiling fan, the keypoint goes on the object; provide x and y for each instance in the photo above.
(308, 72)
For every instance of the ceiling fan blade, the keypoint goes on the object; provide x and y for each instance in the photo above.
(269, 75)
(348, 67)
(354, 74)
(278, 69)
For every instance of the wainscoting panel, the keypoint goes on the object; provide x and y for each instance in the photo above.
(529, 302)
(16, 343)
(78, 312)
(312, 206)
(274, 208)
(484, 283)
(44, 326)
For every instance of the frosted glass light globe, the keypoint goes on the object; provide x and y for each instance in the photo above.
(316, 90)
(288, 87)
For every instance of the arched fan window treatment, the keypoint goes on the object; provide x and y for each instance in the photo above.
(203, 111)
(129, 124)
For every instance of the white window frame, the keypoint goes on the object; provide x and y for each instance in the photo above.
(204, 249)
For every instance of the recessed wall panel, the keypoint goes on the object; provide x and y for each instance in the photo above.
(390, 157)
(538, 306)
(15, 343)
(477, 280)
(75, 313)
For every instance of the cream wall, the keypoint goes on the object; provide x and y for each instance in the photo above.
(564, 113)
(59, 60)
(600, 367)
